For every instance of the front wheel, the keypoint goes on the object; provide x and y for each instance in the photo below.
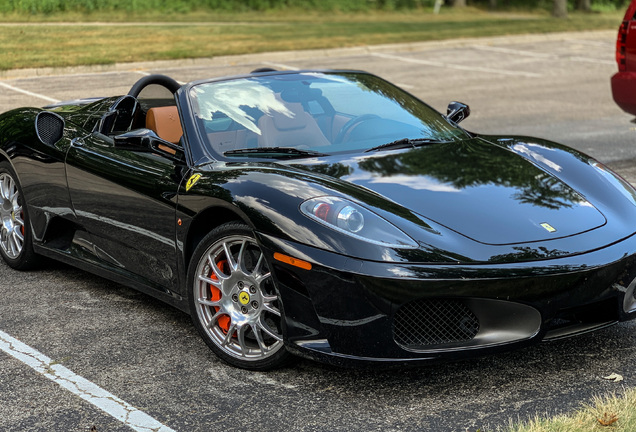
(16, 246)
(233, 300)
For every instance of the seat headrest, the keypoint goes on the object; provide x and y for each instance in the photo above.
(165, 122)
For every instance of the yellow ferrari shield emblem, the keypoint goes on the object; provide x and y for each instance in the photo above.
(244, 298)
(548, 227)
(192, 181)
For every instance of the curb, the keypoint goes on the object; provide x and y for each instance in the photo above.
(279, 56)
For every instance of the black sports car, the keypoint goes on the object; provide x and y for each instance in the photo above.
(327, 214)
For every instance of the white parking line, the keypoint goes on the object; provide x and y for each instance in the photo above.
(514, 52)
(280, 65)
(292, 68)
(456, 66)
(592, 60)
(144, 73)
(91, 393)
(28, 93)
(540, 55)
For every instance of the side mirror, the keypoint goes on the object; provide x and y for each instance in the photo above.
(147, 140)
(106, 123)
(138, 140)
(457, 111)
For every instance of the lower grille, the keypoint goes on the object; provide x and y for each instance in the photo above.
(424, 323)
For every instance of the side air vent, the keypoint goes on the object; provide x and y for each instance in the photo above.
(49, 127)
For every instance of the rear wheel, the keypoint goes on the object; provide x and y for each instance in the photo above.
(234, 303)
(16, 245)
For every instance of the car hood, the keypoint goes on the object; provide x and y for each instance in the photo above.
(482, 190)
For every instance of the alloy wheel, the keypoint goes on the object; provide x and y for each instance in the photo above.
(11, 216)
(236, 301)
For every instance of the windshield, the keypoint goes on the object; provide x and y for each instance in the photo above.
(326, 113)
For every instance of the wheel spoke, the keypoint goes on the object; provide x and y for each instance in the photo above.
(241, 339)
(240, 257)
(229, 334)
(18, 236)
(207, 280)
(259, 338)
(14, 245)
(4, 188)
(207, 302)
(230, 259)
(259, 264)
(214, 319)
(271, 309)
(261, 278)
(269, 298)
(217, 271)
(267, 330)
(13, 192)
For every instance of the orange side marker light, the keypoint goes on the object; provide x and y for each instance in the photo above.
(292, 261)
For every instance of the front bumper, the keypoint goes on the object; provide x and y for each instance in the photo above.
(624, 91)
(347, 311)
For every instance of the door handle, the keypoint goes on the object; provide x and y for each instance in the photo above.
(77, 142)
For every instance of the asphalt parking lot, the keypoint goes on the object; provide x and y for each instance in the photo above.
(160, 375)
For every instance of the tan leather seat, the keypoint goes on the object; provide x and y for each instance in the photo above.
(165, 122)
(300, 130)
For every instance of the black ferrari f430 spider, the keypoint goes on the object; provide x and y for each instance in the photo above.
(327, 214)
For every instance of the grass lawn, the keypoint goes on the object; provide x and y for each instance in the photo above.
(609, 413)
(75, 39)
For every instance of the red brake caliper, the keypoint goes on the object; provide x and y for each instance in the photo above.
(215, 295)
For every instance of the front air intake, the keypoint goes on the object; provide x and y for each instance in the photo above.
(49, 127)
(424, 324)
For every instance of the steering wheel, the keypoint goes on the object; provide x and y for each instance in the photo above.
(158, 79)
(351, 124)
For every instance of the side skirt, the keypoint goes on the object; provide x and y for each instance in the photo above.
(115, 275)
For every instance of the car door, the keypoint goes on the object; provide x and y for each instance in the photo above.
(125, 199)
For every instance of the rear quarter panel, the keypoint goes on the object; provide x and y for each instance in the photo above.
(39, 167)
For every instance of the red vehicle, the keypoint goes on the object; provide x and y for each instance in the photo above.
(624, 82)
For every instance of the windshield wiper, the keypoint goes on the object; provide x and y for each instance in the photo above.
(284, 152)
(405, 143)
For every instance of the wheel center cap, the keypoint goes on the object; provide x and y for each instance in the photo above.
(244, 297)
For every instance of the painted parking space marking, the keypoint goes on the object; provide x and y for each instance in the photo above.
(144, 73)
(540, 55)
(456, 66)
(280, 65)
(88, 391)
(592, 60)
(28, 93)
(514, 52)
(292, 68)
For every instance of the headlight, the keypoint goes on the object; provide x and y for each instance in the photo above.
(621, 185)
(356, 221)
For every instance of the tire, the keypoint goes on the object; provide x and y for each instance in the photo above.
(16, 240)
(234, 303)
